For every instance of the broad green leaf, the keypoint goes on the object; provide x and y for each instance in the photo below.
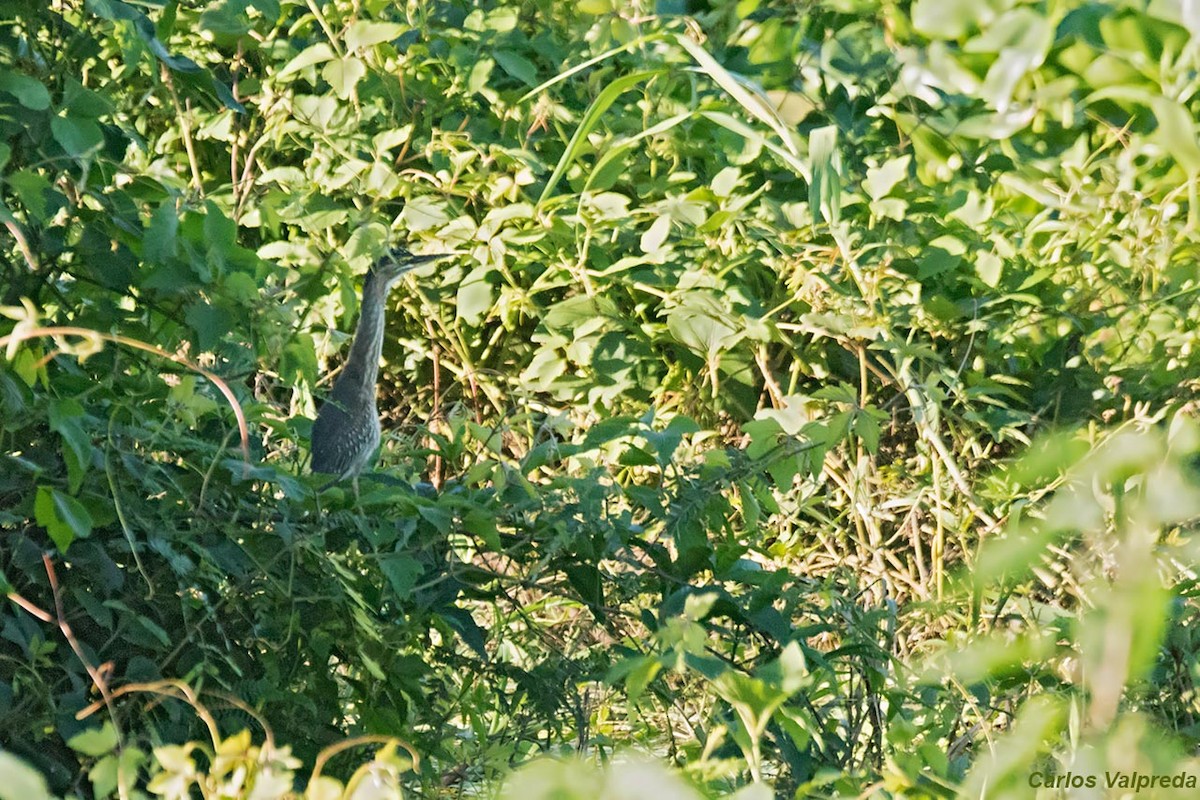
(30, 92)
(951, 19)
(343, 74)
(1021, 37)
(117, 10)
(66, 418)
(726, 181)
(63, 517)
(401, 572)
(392, 137)
(19, 781)
(517, 66)
(935, 261)
(220, 236)
(483, 525)
(1176, 134)
(654, 237)
(364, 33)
(701, 330)
(475, 297)
(81, 101)
(882, 179)
(210, 322)
(34, 191)
(226, 18)
(159, 244)
(94, 742)
(78, 136)
(317, 53)
(423, 212)
(640, 676)
(989, 267)
(324, 788)
(481, 73)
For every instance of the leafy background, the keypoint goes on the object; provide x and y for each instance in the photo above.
(811, 406)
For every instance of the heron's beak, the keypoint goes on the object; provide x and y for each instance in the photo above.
(425, 259)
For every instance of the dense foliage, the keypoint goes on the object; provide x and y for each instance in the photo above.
(811, 404)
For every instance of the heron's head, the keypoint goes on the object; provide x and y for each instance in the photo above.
(397, 261)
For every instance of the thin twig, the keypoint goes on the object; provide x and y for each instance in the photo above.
(18, 233)
(30, 607)
(98, 679)
(185, 130)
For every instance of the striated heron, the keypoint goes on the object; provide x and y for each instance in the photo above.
(347, 431)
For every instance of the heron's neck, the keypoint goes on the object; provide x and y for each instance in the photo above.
(357, 381)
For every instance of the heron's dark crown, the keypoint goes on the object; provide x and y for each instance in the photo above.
(397, 261)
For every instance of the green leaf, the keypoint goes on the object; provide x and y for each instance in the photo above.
(475, 297)
(1176, 134)
(318, 53)
(950, 19)
(483, 525)
(601, 104)
(94, 742)
(365, 33)
(19, 781)
(210, 322)
(935, 261)
(423, 212)
(639, 677)
(83, 102)
(517, 66)
(34, 191)
(66, 418)
(79, 137)
(63, 517)
(392, 138)
(654, 237)
(220, 235)
(882, 179)
(696, 606)
(989, 267)
(402, 572)
(749, 100)
(30, 92)
(586, 580)
(343, 74)
(115, 10)
(159, 243)
(226, 18)
(1022, 37)
(825, 190)
(461, 621)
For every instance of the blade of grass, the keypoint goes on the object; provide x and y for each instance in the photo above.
(734, 87)
(605, 99)
(735, 125)
(617, 148)
(562, 76)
